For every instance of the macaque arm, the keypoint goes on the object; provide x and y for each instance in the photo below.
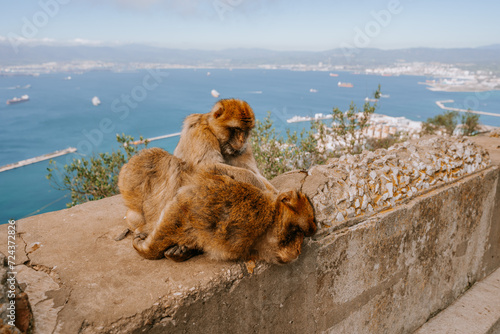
(241, 175)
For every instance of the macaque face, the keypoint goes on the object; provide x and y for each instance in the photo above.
(232, 121)
(236, 143)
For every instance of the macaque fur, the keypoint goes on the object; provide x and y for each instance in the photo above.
(219, 138)
(211, 212)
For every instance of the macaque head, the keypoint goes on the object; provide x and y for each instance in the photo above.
(297, 221)
(231, 121)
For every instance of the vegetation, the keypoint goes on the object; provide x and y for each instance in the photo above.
(447, 123)
(276, 155)
(348, 128)
(470, 124)
(94, 178)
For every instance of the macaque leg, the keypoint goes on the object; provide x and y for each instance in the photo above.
(180, 253)
(135, 221)
(153, 246)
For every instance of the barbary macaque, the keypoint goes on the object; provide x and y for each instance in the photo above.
(220, 137)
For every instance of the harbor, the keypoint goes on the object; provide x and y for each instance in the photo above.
(442, 106)
(34, 160)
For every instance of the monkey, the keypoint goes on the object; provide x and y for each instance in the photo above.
(147, 181)
(220, 138)
(230, 220)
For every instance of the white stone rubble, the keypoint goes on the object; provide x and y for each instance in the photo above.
(372, 181)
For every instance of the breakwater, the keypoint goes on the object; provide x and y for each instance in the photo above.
(37, 159)
(442, 106)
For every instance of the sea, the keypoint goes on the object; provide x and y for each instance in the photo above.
(151, 103)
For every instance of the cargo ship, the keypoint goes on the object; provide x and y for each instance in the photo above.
(345, 84)
(15, 100)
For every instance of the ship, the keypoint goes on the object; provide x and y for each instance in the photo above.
(345, 84)
(214, 93)
(15, 100)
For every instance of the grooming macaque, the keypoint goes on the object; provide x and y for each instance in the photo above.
(178, 211)
(220, 138)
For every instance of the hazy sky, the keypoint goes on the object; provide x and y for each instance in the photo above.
(273, 24)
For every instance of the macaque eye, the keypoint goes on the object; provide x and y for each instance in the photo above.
(237, 132)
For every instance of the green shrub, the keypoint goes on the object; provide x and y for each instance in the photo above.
(348, 127)
(94, 178)
(446, 122)
(276, 155)
(470, 124)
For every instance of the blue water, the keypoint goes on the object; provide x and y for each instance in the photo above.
(60, 113)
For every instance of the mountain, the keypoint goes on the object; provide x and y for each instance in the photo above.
(30, 54)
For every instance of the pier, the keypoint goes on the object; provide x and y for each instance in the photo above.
(30, 161)
(442, 106)
(138, 142)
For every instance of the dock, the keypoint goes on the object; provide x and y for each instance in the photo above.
(30, 161)
(442, 106)
(138, 142)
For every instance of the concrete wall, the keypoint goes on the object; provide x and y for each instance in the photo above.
(385, 271)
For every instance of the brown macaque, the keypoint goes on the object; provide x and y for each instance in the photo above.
(147, 182)
(220, 138)
(228, 220)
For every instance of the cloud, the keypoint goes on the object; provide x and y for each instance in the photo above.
(19, 40)
(82, 41)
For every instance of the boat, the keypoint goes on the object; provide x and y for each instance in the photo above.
(15, 100)
(386, 96)
(334, 75)
(67, 78)
(214, 93)
(367, 99)
(96, 101)
(345, 84)
(312, 90)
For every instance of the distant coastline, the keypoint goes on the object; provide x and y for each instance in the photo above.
(464, 88)
(445, 77)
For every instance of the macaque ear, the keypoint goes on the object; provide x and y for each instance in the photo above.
(217, 110)
(287, 197)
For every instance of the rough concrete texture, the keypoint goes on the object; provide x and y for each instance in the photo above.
(382, 273)
(476, 312)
